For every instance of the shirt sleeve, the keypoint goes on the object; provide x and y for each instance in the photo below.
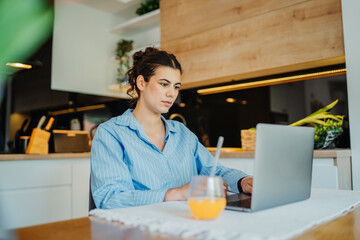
(111, 181)
(205, 161)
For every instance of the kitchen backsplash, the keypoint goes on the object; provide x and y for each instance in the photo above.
(225, 114)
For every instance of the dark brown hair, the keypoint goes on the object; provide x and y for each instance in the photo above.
(145, 63)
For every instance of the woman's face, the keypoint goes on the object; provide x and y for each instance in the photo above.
(162, 89)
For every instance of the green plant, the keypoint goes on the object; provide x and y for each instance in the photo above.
(123, 48)
(148, 6)
(320, 116)
(326, 134)
(327, 126)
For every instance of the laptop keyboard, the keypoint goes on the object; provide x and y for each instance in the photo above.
(244, 203)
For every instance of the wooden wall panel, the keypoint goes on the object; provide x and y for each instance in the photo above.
(194, 16)
(303, 35)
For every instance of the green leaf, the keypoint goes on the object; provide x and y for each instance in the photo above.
(320, 116)
(325, 109)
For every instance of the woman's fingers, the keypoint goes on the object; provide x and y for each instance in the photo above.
(246, 184)
(226, 187)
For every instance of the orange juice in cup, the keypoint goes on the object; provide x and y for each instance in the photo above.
(206, 208)
(206, 198)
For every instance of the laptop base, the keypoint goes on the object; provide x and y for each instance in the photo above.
(239, 202)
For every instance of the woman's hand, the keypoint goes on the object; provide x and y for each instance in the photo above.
(181, 193)
(177, 194)
(246, 184)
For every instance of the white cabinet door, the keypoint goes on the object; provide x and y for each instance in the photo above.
(42, 191)
(80, 187)
(34, 174)
(35, 191)
(26, 207)
(324, 175)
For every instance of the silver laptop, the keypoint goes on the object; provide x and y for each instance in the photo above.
(282, 168)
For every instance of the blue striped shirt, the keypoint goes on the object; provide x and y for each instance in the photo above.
(128, 170)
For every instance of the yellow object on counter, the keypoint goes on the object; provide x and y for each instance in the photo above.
(39, 142)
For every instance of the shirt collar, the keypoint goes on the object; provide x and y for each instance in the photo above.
(169, 126)
(128, 119)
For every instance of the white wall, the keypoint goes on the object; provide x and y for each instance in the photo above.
(351, 25)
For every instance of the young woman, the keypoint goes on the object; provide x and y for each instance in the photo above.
(140, 157)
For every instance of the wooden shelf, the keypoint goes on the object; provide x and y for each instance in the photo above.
(138, 24)
(110, 6)
(119, 91)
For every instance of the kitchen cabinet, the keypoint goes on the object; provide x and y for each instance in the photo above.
(84, 43)
(331, 168)
(38, 191)
(325, 174)
(237, 40)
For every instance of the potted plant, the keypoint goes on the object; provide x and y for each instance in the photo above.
(327, 126)
(148, 6)
(123, 48)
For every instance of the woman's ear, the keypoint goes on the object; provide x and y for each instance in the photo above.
(140, 82)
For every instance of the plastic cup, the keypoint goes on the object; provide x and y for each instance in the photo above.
(206, 198)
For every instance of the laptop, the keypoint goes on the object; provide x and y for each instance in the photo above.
(282, 168)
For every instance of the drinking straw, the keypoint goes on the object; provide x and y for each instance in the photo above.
(217, 154)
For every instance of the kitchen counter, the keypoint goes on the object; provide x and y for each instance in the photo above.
(239, 153)
(225, 153)
(14, 157)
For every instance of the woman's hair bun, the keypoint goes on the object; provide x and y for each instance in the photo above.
(138, 56)
(151, 49)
